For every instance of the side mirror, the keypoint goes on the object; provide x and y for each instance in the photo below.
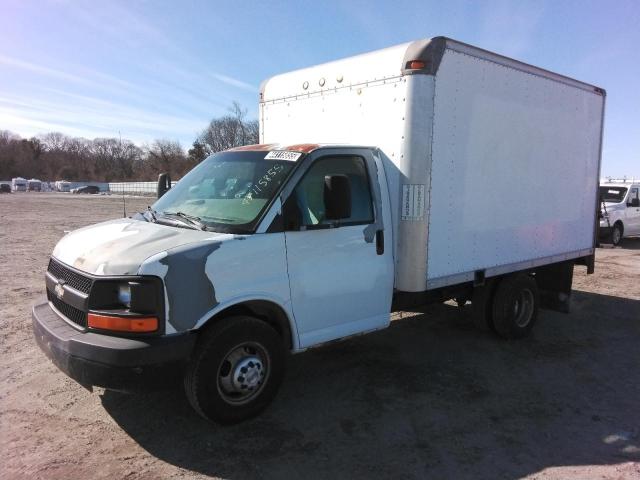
(337, 197)
(635, 202)
(164, 184)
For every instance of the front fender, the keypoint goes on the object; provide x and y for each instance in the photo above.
(204, 278)
(284, 305)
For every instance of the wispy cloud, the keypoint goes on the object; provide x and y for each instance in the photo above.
(117, 21)
(42, 70)
(125, 26)
(84, 76)
(183, 97)
(91, 117)
(234, 82)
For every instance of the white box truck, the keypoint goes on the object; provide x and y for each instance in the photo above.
(436, 171)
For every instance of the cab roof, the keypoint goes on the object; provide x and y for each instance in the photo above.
(298, 147)
(267, 147)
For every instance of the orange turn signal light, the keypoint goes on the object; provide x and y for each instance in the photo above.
(415, 65)
(123, 324)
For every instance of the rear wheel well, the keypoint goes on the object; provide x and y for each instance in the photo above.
(268, 312)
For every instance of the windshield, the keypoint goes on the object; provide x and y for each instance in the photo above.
(612, 194)
(226, 192)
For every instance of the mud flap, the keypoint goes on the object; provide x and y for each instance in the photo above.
(554, 282)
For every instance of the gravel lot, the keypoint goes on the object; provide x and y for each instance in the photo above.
(428, 397)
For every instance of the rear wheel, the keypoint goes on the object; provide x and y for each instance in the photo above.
(236, 370)
(515, 306)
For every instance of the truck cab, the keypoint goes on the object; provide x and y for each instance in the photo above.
(619, 211)
(243, 260)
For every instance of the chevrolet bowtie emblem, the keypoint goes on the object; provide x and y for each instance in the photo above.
(59, 290)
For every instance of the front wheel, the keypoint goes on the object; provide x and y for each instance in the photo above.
(236, 370)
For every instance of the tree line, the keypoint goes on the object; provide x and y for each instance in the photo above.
(55, 156)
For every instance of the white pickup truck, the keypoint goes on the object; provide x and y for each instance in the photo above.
(436, 170)
(619, 212)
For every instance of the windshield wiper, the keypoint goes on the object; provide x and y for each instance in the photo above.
(221, 219)
(190, 219)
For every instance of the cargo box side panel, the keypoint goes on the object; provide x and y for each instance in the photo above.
(514, 171)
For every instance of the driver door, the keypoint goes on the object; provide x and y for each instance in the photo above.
(340, 272)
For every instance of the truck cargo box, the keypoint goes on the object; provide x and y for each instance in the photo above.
(492, 164)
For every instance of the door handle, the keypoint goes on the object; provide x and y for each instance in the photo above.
(380, 242)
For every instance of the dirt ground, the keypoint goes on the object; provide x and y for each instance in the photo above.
(430, 397)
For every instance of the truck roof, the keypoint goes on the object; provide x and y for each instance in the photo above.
(390, 63)
(298, 147)
(620, 184)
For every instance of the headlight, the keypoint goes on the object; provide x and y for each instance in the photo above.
(130, 305)
(124, 294)
(139, 295)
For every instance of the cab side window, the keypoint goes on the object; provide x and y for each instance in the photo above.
(633, 194)
(309, 194)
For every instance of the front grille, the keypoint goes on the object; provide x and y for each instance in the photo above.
(72, 313)
(71, 278)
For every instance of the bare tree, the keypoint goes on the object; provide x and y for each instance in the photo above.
(228, 131)
(166, 156)
(55, 156)
(114, 158)
(197, 153)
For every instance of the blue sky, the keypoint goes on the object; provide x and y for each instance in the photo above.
(160, 69)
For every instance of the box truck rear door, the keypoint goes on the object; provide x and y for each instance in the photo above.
(340, 274)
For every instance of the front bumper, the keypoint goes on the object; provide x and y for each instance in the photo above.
(117, 363)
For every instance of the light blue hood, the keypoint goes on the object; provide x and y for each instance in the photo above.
(119, 247)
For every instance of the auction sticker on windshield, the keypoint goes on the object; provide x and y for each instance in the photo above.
(283, 155)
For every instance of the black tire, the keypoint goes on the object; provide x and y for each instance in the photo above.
(515, 306)
(481, 305)
(616, 234)
(214, 381)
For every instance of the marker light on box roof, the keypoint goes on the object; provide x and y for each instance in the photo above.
(416, 65)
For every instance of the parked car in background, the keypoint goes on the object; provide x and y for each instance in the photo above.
(619, 211)
(5, 188)
(86, 189)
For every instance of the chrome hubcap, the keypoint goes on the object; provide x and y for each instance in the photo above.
(523, 308)
(243, 373)
(248, 374)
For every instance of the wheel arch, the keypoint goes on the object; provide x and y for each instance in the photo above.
(619, 222)
(263, 309)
